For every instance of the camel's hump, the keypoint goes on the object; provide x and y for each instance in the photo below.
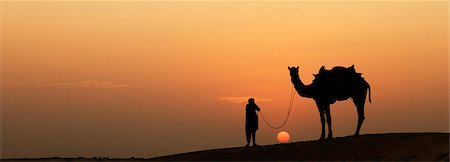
(337, 73)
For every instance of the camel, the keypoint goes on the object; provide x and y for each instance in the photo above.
(333, 85)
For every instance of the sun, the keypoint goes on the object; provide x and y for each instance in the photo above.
(283, 137)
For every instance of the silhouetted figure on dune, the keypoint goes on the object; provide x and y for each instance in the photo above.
(333, 85)
(251, 121)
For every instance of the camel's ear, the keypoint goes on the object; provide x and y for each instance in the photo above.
(297, 67)
(289, 68)
(352, 68)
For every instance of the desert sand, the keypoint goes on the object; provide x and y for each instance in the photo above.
(373, 147)
(368, 147)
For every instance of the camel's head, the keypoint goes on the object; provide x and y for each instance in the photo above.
(293, 71)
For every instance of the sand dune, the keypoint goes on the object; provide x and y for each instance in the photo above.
(394, 146)
(373, 147)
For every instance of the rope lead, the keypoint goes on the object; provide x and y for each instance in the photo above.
(287, 116)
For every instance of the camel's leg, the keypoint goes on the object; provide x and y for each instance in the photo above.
(328, 113)
(322, 120)
(359, 102)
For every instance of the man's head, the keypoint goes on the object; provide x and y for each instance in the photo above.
(251, 100)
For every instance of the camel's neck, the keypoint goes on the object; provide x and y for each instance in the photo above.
(302, 89)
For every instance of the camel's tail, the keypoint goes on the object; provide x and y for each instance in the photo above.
(370, 98)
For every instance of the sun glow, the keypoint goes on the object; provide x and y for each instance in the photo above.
(283, 137)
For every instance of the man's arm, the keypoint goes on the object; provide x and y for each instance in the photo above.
(257, 108)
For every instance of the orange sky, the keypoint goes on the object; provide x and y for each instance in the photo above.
(145, 79)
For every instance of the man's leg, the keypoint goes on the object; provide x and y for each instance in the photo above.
(248, 135)
(254, 138)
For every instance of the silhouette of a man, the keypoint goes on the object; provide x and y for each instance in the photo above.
(251, 121)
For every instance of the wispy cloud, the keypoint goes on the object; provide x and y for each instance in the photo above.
(14, 82)
(87, 84)
(243, 99)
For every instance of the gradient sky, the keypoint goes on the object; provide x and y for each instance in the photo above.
(145, 79)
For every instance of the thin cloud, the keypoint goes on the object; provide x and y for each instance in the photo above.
(243, 99)
(14, 83)
(87, 83)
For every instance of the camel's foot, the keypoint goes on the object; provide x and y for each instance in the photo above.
(356, 134)
(330, 137)
(330, 134)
